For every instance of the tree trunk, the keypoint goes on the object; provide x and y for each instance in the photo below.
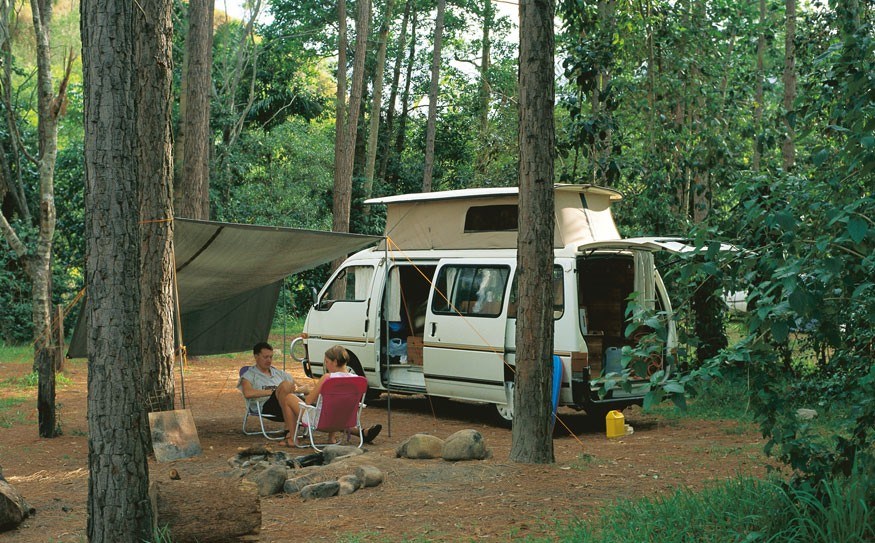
(393, 92)
(344, 159)
(152, 56)
(191, 189)
(432, 97)
(758, 98)
(377, 103)
(483, 90)
(531, 439)
(118, 503)
(788, 146)
(405, 97)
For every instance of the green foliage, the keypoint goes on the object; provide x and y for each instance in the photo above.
(738, 510)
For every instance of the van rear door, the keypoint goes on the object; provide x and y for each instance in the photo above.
(463, 340)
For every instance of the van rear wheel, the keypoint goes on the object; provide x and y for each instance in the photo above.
(504, 414)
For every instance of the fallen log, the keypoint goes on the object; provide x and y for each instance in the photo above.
(206, 509)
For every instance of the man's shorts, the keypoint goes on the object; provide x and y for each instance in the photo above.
(272, 408)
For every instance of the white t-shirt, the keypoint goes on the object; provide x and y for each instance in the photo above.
(261, 381)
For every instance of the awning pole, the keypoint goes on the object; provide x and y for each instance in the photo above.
(386, 337)
(285, 317)
(181, 348)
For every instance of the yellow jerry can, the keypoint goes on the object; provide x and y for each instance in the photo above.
(615, 424)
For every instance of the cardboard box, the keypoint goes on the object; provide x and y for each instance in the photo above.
(414, 350)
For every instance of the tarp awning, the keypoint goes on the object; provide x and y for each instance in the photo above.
(229, 278)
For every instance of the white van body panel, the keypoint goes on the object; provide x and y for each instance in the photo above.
(410, 293)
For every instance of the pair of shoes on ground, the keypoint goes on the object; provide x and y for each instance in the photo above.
(372, 433)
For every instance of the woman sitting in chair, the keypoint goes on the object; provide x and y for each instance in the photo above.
(336, 360)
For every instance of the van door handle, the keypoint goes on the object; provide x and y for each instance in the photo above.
(433, 328)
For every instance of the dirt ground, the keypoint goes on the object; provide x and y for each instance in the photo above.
(427, 500)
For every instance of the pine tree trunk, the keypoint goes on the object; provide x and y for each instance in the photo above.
(401, 135)
(119, 510)
(433, 96)
(532, 437)
(191, 189)
(788, 146)
(393, 93)
(758, 98)
(377, 103)
(483, 89)
(153, 32)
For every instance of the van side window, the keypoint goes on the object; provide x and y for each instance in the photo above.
(558, 295)
(496, 218)
(350, 285)
(476, 291)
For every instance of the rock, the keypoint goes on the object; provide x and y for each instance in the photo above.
(806, 414)
(465, 445)
(13, 508)
(295, 485)
(369, 475)
(348, 485)
(420, 446)
(270, 481)
(333, 452)
(320, 490)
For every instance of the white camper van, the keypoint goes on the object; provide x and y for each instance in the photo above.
(433, 309)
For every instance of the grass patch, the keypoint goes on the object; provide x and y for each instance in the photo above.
(31, 380)
(9, 414)
(16, 354)
(726, 398)
(739, 510)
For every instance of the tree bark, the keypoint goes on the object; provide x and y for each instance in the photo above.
(191, 190)
(758, 97)
(788, 146)
(433, 96)
(483, 89)
(118, 504)
(377, 102)
(531, 436)
(401, 135)
(393, 93)
(153, 30)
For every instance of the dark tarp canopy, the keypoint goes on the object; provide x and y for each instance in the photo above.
(229, 278)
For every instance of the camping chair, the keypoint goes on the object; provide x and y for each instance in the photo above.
(253, 409)
(338, 409)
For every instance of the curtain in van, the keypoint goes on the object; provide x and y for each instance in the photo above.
(645, 284)
(393, 296)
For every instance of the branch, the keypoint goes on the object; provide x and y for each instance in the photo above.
(15, 242)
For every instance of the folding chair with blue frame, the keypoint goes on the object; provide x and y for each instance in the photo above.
(253, 409)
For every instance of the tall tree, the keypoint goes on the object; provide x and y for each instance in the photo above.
(532, 439)
(759, 96)
(433, 96)
(36, 260)
(191, 189)
(377, 103)
(788, 146)
(347, 123)
(393, 90)
(119, 509)
(153, 31)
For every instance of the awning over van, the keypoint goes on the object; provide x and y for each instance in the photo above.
(229, 277)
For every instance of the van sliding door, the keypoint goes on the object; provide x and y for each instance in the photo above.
(463, 340)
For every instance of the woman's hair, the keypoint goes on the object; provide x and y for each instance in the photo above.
(337, 354)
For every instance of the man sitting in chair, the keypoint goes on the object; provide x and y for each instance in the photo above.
(336, 360)
(276, 387)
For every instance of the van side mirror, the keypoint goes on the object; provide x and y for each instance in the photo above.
(315, 294)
